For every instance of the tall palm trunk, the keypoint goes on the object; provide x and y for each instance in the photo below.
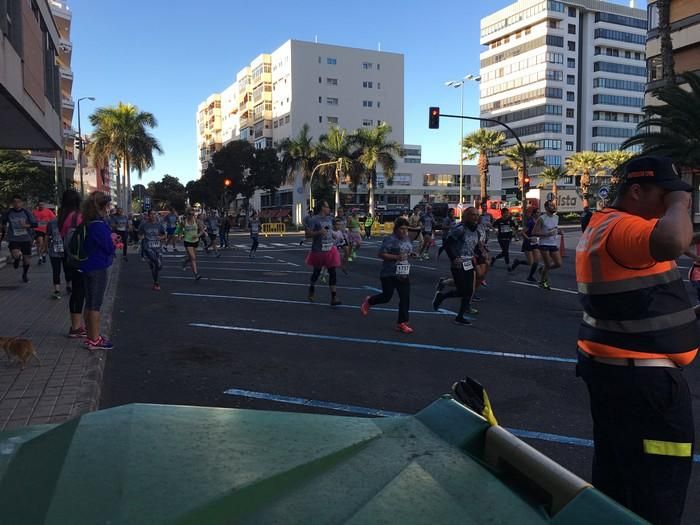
(554, 190)
(128, 185)
(119, 183)
(370, 191)
(337, 190)
(667, 62)
(483, 174)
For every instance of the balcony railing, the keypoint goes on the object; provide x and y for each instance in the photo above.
(67, 103)
(66, 73)
(66, 46)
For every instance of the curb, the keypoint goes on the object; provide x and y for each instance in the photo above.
(88, 398)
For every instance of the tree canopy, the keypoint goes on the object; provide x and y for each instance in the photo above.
(22, 176)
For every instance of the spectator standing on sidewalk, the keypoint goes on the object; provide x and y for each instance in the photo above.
(638, 331)
(99, 249)
(57, 255)
(69, 218)
(369, 221)
(19, 224)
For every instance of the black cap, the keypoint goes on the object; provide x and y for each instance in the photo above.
(651, 169)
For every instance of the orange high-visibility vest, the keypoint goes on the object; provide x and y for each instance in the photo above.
(630, 312)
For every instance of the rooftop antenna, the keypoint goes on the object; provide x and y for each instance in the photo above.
(316, 39)
(379, 47)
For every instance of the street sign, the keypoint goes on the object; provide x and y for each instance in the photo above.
(603, 192)
(146, 203)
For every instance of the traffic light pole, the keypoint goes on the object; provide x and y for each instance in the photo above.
(520, 145)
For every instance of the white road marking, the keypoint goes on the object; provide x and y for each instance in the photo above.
(533, 285)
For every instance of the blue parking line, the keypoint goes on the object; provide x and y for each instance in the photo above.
(354, 409)
(386, 342)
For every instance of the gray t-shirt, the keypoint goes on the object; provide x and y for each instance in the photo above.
(467, 239)
(171, 220)
(20, 223)
(119, 222)
(55, 241)
(213, 224)
(395, 246)
(427, 221)
(151, 231)
(322, 243)
(254, 226)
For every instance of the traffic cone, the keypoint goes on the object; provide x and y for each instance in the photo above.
(562, 245)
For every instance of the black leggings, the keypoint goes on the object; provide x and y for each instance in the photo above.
(505, 248)
(403, 287)
(255, 244)
(332, 277)
(464, 287)
(77, 295)
(56, 263)
(155, 261)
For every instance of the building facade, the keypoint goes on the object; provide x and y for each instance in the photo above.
(567, 76)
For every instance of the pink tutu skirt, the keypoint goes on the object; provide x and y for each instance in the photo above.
(329, 259)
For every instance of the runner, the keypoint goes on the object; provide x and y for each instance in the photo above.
(43, 216)
(343, 227)
(57, 255)
(448, 223)
(191, 230)
(323, 253)
(415, 227)
(120, 225)
(171, 220)
(341, 242)
(69, 218)
(530, 245)
(427, 222)
(254, 227)
(461, 247)
(152, 233)
(505, 227)
(547, 229)
(18, 224)
(369, 221)
(306, 221)
(212, 223)
(395, 251)
(225, 229)
(486, 221)
(135, 221)
(354, 236)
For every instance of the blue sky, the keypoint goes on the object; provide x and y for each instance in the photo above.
(166, 56)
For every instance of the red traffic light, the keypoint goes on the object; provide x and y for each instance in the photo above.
(227, 182)
(526, 180)
(434, 117)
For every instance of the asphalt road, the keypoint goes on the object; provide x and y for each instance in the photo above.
(247, 327)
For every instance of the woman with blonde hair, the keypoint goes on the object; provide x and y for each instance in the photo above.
(191, 229)
(99, 249)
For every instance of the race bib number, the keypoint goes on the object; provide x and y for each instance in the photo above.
(254, 229)
(506, 229)
(154, 244)
(403, 269)
(215, 232)
(467, 265)
(20, 232)
(57, 246)
(42, 223)
(326, 245)
(534, 240)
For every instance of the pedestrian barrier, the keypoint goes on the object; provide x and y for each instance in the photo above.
(377, 228)
(274, 227)
(388, 227)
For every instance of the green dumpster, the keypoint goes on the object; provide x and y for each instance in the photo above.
(156, 464)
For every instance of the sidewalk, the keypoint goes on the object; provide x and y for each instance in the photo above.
(69, 379)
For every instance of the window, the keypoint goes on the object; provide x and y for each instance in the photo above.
(570, 80)
(320, 118)
(367, 84)
(378, 66)
(553, 23)
(654, 69)
(637, 56)
(615, 83)
(550, 92)
(554, 58)
(571, 45)
(597, 50)
(551, 160)
(554, 144)
(621, 20)
(534, 129)
(569, 129)
(535, 111)
(367, 123)
(332, 120)
(612, 52)
(569, 113)
(572, 12)
(623, 69)
(379, 104)
(603, 147)
(379, 84)
(367, 103)
(332, 81)
(572, 29)
(331, 61)
(569, 96)
(320, 80)
(618, 100)
(569, 146)
(556, 41)
(571, 63)
(332, 101)
(628, 54)
(320, 100)
(620, 36)
(366, 65)
(319, 60)
(286, 119)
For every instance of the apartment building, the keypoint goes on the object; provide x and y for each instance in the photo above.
(208, 130)
(565, 75)
(30, 81)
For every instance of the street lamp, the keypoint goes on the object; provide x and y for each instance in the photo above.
(311, 179)
(460, 84)
(80, 152)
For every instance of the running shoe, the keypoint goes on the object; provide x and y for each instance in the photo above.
(25, 278)
(473, 311)
(462, 321)
(311, 295)
(15, 263)
(484, 284)
(197, 277)
(403, 327)
(510, 268)
(40, 262)
(156, 287)
(218, 254)
(336, 302)
(531, 279)
(476, 298)
(56, 294)
(545, 285)
(364, 309)
(69, 290)
(345, 272)
(43, 258)
(101, 343)
(440, 285)
(77, 333)
(437, 300)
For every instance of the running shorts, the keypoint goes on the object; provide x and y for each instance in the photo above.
(191, 244)
(23, 246)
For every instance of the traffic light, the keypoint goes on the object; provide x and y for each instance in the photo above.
(434, 118)
(526, 185)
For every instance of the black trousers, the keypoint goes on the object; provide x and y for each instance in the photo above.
(56, 263)
(403, 287)
(77, 295)
(464, 287)
(643, 432)
(254, 246)
(505, 247)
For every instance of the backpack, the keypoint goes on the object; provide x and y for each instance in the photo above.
(75, 244)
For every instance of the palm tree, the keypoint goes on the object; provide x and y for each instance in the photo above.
(337, 146)
(612, 160)
(671, 128)
(374, 149)
(483, 143)
(513, 159)
(552, 175)
(586, 164)
(665, 41)
(122, 132)
(298, 155)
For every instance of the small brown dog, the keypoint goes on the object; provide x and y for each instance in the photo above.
(22, 348)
